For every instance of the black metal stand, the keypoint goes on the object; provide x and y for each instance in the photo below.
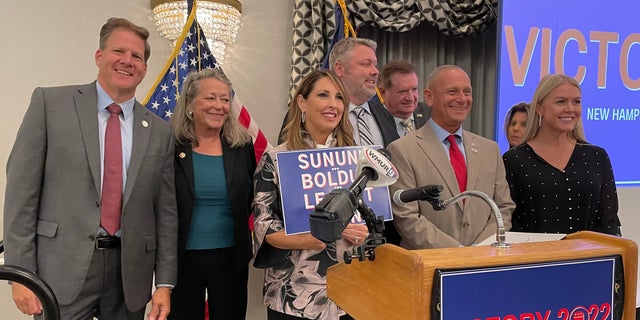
(375, 225)
(50, 308)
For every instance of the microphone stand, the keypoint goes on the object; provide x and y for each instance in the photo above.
(375, 225)
(501, 236)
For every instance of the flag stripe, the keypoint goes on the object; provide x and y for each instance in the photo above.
(244, 118)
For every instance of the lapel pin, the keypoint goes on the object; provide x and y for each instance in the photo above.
(419, 115)
(182, 155)
(474, 148)
(145, 123)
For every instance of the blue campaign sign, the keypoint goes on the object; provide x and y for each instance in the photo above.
(578, 289)
(307, 175)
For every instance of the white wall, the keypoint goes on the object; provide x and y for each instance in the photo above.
(44, 43)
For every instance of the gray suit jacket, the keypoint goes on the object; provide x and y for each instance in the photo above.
(52, 202)
(420, 160)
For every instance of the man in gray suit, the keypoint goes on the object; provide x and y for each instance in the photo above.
(423, 157)
(54, 182)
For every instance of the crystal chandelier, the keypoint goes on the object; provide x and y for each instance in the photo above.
(219, 19)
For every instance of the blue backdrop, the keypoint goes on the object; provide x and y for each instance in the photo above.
(596, 42)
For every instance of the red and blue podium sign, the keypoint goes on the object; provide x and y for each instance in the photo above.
(569, 290)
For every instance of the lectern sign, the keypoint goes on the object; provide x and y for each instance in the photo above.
(568, 290)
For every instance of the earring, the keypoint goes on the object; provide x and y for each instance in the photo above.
(304, 117)
(190, 115)
(539, 121)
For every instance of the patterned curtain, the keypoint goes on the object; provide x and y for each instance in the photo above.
(451, 17)
(427, 48)
(455, 34)
(313, 29)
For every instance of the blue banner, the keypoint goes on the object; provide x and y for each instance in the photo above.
(576, 290)
(307, 175)
(598, 45)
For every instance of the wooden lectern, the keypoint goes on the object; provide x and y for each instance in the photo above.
(398, 283)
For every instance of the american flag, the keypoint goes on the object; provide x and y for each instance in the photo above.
(192, 53)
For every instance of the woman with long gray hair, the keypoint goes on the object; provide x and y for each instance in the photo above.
(214, 166)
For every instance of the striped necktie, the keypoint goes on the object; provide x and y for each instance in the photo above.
(408, 125)
(363, 127)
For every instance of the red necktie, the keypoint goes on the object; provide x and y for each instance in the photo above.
(111, 204)
(457, 162)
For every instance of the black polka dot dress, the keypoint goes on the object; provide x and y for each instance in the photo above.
(581, 197)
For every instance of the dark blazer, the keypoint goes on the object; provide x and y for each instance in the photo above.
(52, 201)
(239, 166)
(387, 123)
(421, 114)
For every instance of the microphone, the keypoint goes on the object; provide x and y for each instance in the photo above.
(336, 209)
(430, 192)
(374, 170)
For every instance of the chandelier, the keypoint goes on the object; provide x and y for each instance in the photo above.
(219, 19)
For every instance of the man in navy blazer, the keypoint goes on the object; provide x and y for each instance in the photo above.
(354, 61)
(398, 85)
(54, 184)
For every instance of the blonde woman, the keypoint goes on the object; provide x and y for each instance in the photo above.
(560, 182)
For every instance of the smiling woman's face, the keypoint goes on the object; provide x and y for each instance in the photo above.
(561, 109)
(323, 109)
(211, 105)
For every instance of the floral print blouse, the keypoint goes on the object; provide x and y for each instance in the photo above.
(295, 280)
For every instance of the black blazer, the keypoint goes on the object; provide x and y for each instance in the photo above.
(387, 123)
(421, 114)
(239, 166)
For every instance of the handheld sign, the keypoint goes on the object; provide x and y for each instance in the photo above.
(306, 176)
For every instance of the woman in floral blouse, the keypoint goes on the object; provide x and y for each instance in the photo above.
(296, 265)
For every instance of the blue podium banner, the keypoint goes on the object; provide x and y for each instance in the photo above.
(570, 290)
(307, 175)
